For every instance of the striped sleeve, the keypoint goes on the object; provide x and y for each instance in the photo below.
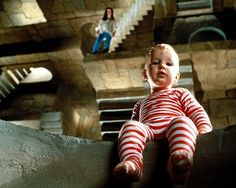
(195, 112)
(135, 112)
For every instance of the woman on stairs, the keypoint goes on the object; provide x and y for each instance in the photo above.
(105, 31)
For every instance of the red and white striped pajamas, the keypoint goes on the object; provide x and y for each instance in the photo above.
(171, 113)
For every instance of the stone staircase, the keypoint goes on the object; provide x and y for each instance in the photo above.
(114, 112)
(10, 79)
(186, 79)
(140, 8)
(129, 19)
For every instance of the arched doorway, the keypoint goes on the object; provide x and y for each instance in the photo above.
(206, 34)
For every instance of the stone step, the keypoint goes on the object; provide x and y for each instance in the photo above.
(113, 113)
(51, 125)
(194, 12)
(116, 114)
(120, 103)
(4, 88)
(193, 7)
(131, 18)
(18, 74)
(24, 72)
(111, 122)
(193, 4)
(11, 86)
(111, 125)
(2, 94)
(54, 131)
(51, 116)
(51, 122)
(186, 79)
(10, 79)
(110, 135)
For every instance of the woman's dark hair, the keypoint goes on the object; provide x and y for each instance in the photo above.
(105, 14)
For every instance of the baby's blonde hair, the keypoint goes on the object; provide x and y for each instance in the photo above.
(161, 46)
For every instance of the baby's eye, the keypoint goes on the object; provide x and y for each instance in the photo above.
(155, 63)
(169, 63)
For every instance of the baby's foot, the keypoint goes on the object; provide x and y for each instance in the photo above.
(129, 170)
(179, 165)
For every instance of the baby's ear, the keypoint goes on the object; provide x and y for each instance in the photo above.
(177, 77)
(145, 77)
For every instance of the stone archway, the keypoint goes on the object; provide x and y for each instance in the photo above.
(206, 34)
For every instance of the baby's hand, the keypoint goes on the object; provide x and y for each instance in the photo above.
(96, 31)
(202, 132)
(204, 129)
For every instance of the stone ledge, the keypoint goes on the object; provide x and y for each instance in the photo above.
(32, 158)
(214, 160)
(181, 48)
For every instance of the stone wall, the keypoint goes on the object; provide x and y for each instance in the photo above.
(222, 109)
(32, 158)
(120, 74)
(214, 69)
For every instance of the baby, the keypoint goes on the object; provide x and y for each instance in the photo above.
(171, 113)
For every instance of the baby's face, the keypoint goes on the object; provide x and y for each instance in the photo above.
(162, 68)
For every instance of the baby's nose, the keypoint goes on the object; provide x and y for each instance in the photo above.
(161, 65)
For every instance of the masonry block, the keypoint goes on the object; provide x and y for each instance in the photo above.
(223, 107)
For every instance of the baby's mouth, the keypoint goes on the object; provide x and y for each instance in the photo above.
(161, 74)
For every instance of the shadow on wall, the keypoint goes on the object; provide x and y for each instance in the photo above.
(88, 38)
(199, 93)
